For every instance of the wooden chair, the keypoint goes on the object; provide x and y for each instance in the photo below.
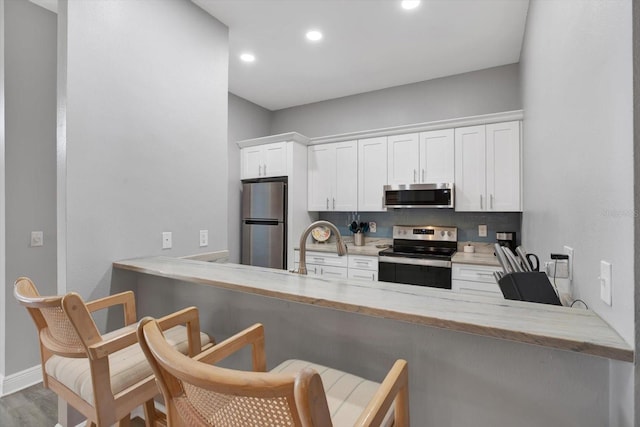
(107, 376)
(198, 394)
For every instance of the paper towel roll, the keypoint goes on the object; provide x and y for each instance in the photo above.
(469, 249)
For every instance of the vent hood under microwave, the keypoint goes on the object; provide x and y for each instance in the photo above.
(419, 196)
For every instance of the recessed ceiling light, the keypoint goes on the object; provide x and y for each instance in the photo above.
(314, 35)
(410, 4)
(247, 57)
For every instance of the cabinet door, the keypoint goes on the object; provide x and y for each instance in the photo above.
(372, 173)
(345, 192)
(470, 169)
(251, 159)
(321, 176)
(403, 162)
(503, 167)
(436, 156)
(275, 159)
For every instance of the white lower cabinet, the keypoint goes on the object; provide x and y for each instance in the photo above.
(363, 267)
(330, 265)
(475, 279)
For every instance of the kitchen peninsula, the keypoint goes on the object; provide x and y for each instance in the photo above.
(449, 339)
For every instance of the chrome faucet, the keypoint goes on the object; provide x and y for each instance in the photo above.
(342, 248)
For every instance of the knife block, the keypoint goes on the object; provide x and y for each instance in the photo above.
(531, 286)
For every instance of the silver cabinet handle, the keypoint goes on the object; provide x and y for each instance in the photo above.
(481, 202)
(316, 259)
(414, 175)
(423, 176)
(264, 169)
(315, 270)
(259, 170)
(491, 201)
(334, 203)
(327, 203)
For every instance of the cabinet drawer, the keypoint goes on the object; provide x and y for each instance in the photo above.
(476, 288)
(371, 275)
(474, 273)
(323, 258)
(363, 262)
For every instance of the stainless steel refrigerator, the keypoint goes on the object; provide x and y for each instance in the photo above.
(264, 226)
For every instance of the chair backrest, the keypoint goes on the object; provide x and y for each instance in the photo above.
(57, 332)
(200, 394)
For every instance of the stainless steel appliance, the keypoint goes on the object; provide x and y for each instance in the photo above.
(264, 226)
(421, 255)
(507, 238)
(419, 196)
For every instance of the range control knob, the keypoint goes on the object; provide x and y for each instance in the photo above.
(442, 233)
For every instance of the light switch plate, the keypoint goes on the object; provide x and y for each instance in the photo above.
(482, 230)
(605, 282)
(37, 239)
(166, 240)
(204, 238)
(569, 251)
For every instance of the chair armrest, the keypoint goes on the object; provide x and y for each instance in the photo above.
(253, 335)
(394, 387)
(127, 299)
(187, 316)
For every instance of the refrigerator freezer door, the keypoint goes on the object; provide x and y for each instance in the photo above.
(263, 243)
(263, 200)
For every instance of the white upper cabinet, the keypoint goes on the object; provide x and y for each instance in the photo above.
(262, 161)
(403, 159)
(437, 156)
(333, 177)
(424, 158)
(372, 173)
(504, 167)
(488, 168)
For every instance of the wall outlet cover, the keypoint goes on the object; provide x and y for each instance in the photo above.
(204, 238)
(482, 230)
(372, 227)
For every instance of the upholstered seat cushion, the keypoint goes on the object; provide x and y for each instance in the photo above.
(127, 366)
(347, 395)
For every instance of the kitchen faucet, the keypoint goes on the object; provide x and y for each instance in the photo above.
(342, 248)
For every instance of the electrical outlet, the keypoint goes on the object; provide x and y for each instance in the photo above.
(372, 227)
(569, 251)
(166, 240)
(204, 238)
(36, 239)
(605, 282)
(482, 230)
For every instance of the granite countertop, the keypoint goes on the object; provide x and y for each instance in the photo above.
(565, 328)
(369, 248)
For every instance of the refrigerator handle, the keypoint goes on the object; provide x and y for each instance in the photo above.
(262, 221)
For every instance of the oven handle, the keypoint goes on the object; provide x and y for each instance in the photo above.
(415, 261)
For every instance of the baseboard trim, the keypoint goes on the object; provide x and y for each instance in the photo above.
(20, 380)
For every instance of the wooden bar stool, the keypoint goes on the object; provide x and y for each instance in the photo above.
(296, 393)
(104, 377)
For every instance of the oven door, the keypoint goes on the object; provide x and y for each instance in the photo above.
(423, 272)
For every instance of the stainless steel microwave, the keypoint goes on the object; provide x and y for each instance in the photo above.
(419, 196)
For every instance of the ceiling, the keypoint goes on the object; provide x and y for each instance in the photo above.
(367, 44)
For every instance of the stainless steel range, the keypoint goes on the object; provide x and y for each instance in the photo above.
(421, 255)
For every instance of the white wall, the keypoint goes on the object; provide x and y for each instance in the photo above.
(578, 133)
(30, 102)
(246, 120)
(146, 146)
(479, 92)
(578, 157)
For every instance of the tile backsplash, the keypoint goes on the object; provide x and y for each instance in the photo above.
(467, 222)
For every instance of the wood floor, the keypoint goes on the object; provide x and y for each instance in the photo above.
(35, 407)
